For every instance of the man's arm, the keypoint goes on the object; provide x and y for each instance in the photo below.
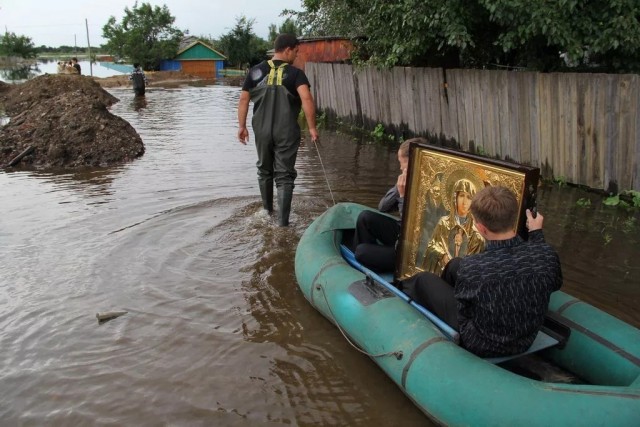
(309, 109)
(243, 110)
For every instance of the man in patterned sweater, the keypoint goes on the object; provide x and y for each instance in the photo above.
(497, 299)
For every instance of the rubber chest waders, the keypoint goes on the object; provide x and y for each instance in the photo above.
(138, 83)
(277, 134)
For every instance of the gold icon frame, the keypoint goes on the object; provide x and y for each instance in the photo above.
(430, 197)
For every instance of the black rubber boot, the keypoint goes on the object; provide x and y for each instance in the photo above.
(266, 191)
(285, 194)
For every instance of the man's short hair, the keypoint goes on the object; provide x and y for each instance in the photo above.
(496, 208)
(403, 150)
(284, 41)
(74, 59)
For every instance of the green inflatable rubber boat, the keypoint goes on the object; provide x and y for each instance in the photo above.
(451, 385)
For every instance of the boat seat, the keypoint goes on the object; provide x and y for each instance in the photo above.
(553, 332)
(541, 342)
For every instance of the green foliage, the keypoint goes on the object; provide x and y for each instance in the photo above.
(146, 35)
(617, 200)
(481, 33)
(241, 46)
(583, 202)
(635, 197)
(606, 32)
(612, 200)
(378, 131)
(288, 27)
(12, 44)
(379, 134)
(561, 181)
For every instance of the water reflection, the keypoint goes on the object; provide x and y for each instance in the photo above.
(19, 73)
(138, 103)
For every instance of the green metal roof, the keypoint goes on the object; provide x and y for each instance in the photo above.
(199, 50)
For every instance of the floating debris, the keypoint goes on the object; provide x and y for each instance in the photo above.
(109, 315)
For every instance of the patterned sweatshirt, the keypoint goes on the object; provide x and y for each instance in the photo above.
(503, 294)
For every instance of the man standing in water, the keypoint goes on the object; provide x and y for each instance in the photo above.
(138, 79)
(278, 91)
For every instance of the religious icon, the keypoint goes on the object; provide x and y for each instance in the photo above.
(438, 224)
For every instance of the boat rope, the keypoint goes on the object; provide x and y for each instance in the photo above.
(398, 354)
(324, 171)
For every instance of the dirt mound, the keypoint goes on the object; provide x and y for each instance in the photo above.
(65, 121)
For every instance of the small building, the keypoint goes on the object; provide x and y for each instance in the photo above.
(196, 58)
(323, 49)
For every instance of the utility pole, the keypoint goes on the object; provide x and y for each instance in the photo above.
(86, 22)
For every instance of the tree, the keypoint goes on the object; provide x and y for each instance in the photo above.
(482, 33)
(287, 27)
(146, 35)
(14, 45)
(241, 46)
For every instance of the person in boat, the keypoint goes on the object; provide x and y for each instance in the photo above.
(278, 91)
(139, 80)
(376, 235)
(455, 234)
(496, 299)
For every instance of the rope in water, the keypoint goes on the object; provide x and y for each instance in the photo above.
(397, 354)
(324, 171)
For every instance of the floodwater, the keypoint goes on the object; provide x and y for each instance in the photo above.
(216, 330)
(22, 73)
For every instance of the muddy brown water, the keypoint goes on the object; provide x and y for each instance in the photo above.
(217, 332)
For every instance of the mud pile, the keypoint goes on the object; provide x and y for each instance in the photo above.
(65, 121)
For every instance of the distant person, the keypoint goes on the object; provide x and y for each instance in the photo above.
(278, 91)
(74, 63)
(496, 299)
(376, 235)
(138, 79)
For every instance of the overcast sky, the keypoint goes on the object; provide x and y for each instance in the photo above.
(62, 22)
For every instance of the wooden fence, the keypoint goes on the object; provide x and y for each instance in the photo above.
(582, 128)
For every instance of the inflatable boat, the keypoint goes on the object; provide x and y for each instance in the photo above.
(451, 385)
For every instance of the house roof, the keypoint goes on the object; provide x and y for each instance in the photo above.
(188, 43)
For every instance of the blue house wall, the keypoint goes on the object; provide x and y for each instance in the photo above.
(170, 65)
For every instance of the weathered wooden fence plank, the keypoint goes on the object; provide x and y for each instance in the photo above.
(448, 108)
(628, 101)
(534, 121)
(582, 127)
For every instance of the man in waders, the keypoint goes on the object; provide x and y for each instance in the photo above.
(278, 91)
(138, 79)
